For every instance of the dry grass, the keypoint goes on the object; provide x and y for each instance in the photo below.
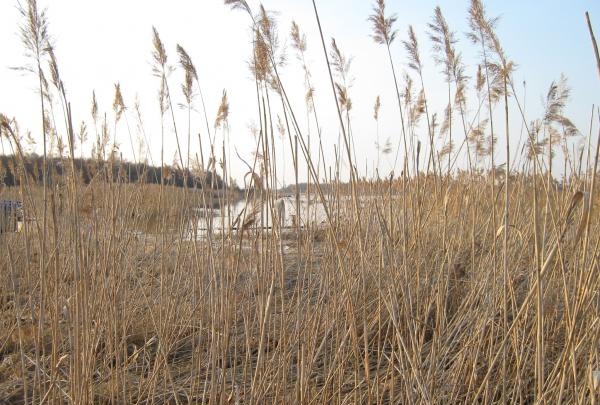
(157, 318)
(400, 296)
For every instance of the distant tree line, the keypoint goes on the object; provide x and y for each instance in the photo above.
(12, 172)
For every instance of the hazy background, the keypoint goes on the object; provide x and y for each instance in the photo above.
(100, 43)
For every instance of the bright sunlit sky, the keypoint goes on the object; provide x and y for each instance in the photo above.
(100, 43)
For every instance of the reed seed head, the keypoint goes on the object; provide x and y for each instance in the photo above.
(383, 26)
(118, 104)
(223, 112)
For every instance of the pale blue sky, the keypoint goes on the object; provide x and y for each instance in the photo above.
(101, 43)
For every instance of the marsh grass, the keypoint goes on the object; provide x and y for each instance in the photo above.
(110, 296)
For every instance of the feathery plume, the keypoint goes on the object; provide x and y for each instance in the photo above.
(383, 27)
(118, 104)
(223, 112)
(554, 104)
(412, 48)
(497, 81)
(280, 127)
(478, 22)
(418, 108)
(536, 147)
(268, 28)
(447, 149)
(343, 97)
(309, 98)
(238, 5)
(340, 63)
(259, 63)
(160, 69)
(443, 43)
(190, 73)
(94, 107)
(158, 54)
(387, 147)
(54, 74)
(4, 123)
(298, 39)
(376, 108)
(33, 32)
(82, 134)
(460, 98)
(408, 92)
(479, 79)
(476, 138)
(556, 99)
(483, 31)
(445, 128)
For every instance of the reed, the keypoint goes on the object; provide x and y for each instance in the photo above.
(120, 291)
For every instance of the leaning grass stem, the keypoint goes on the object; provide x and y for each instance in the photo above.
(505, 276)
(389, 52)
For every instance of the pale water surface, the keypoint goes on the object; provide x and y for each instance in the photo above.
(308, 212)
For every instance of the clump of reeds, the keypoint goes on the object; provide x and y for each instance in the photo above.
(396, 295)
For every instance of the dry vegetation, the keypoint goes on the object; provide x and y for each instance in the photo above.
(438, 286)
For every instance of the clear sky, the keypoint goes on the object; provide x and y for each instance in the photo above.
(99, 43)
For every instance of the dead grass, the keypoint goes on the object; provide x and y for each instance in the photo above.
(411, 291)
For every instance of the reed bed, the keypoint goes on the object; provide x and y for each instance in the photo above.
(438, 285)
